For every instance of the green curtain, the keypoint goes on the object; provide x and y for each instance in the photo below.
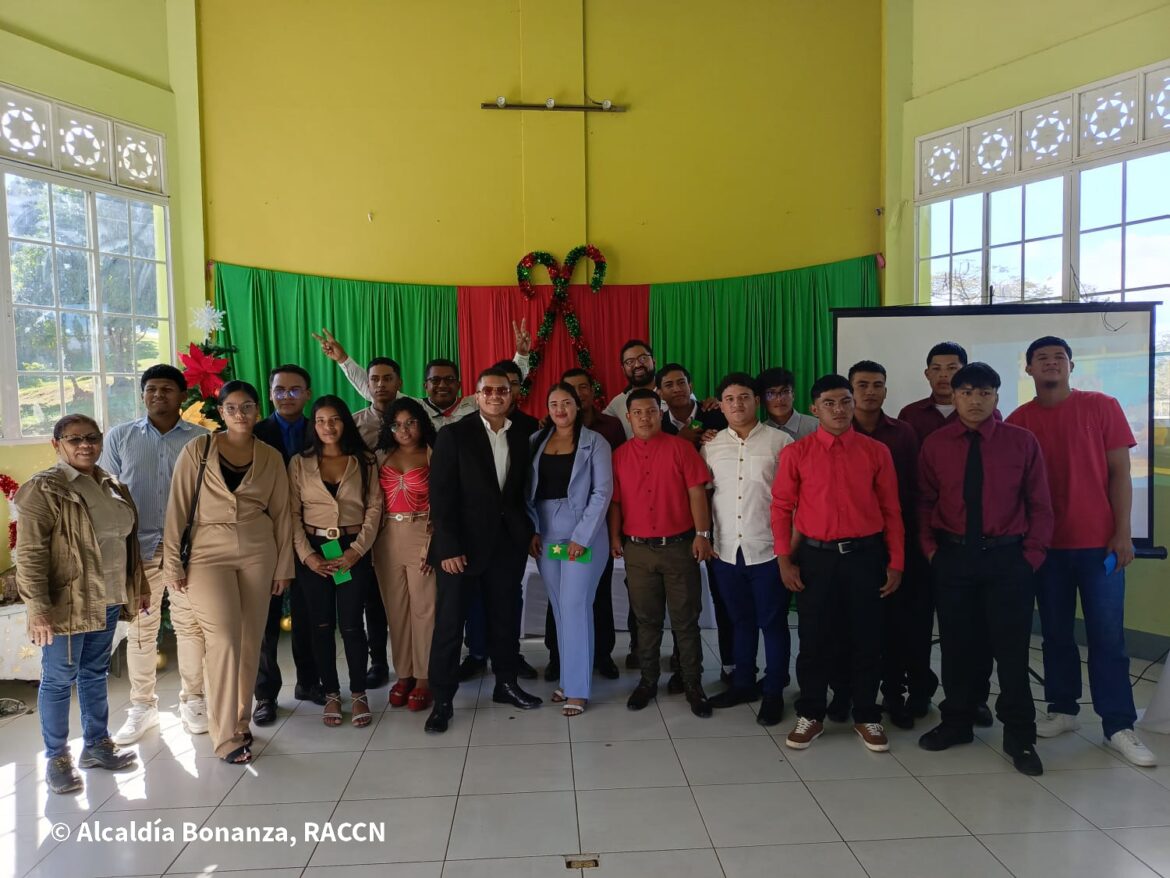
(749, 323)
(271, 315)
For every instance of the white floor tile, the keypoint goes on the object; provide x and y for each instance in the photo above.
(641, 864)
(639, 820)
(1008, 803)
(1150, 845)
(404, 731)
(308, 734)
(544, 725)
(317, 777)
(381, 870)
(616, 722)
(520, 867)
(1067, 854)
(190, 782)
(752, 814)
(838, 754)
(388, 774)
(732, 722)
(739, 761)
(518, 768)
(30, 795)
(516, 824)
(620, 764)
(829, 860)
(415, 830)
(862, 809)
(960, 857)
(224, 853)
(973, 758)
(1112, 799)
(26, 840)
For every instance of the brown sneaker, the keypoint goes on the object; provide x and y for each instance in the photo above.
(804, 733)
(873, 736)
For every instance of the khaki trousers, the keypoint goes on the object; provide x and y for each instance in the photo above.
(231, 606)
(665, 579)
(408, 595)
(142, 641)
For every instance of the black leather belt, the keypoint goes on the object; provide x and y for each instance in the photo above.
(844, 547)
(984, 543)
(684, 537)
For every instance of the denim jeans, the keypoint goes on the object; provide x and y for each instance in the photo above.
(1065, 573)
(83, 659)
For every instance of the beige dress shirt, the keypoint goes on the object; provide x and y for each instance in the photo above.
(113, 520)
(312, 505)
(499, 445)
(369, 424)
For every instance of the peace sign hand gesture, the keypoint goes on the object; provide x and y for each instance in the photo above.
(523, 339)
(330, 346)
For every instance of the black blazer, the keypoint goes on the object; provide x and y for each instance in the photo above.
(268, 431)
(469, 513)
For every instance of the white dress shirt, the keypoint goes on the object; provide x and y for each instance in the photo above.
(499, 444)
(742, 472)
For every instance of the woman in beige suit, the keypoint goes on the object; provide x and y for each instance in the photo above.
(336, 498)
(241, 555)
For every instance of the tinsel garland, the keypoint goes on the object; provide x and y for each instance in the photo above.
(560, 276)
(9, 486)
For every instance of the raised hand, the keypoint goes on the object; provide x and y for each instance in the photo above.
(330, 346)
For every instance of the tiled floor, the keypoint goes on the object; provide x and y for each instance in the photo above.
(510, 793)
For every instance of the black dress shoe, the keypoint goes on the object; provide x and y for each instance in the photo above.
(377, 677)
(900, 715)
(732, 697)
(983, 717)
(264, 714)
(510, 693)
(942, 736)
(1025, 759)
(607, 668)
(633, 662)
(838, 710)
(471, 667)
(524, 670)
(697, 699)
(675, 686)
(642, 694)
(440, 718)
(771, 710)
(552, 671)
(314, 693)
(105, 754)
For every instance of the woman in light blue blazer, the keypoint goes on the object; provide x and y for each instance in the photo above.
(569, 488)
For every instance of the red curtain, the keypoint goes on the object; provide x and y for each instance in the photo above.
(608, 320)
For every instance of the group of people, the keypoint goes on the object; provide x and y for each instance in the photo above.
(410, 521)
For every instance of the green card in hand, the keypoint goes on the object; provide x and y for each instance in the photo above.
(560, 552)
(331, 551)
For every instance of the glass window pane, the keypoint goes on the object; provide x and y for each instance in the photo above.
(938, 228)
(118, 337)
(116, 285)
(940, 281)
(79, 394)
(1161, 314)
(1100, 261)
(145, 228)
(69, 221)
(146, 287)
(1101, 197)
(73, 278)
(1043, 274)
(40, 403)
(968, 223)
(28, 207)
(146, 344)
(122, 398)
(967, 278)
(113, 224)
(1006, 215)
(77, 342)
(1147, 254)
(1044, 208)
(36, 340)
(1147, 187)
(32, 274)
(1004, 273)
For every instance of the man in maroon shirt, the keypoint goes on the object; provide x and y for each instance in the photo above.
(660, 522)
(840, 491)
(984, 524)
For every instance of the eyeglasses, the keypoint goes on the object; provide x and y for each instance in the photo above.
(87, 439)
(778, 394)
(292, 393)
(640, 360)
(492, 390)
(399, 426)
(442, 379)
(231, 409)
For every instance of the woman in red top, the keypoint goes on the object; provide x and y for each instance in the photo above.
(405, 579)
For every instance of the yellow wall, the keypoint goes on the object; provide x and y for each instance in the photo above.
(752, 142)
(134, 60)
(937, 74)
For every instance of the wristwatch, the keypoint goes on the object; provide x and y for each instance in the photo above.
(705, 534)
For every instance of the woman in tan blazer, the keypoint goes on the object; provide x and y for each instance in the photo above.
(241, 555)
(335, 498)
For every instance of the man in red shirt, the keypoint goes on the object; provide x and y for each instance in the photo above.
(1086, 440)
(660, 522)
(984, 522)
(840, 491)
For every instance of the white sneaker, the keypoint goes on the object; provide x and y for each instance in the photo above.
(140, 718)
(1128, 744)
(1049, 725)
(193, 713)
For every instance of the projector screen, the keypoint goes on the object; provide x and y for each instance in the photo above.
(1111, 345)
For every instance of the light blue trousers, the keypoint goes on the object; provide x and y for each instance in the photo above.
(571, 587)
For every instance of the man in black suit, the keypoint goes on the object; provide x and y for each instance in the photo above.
(289, 389)
(481, 537)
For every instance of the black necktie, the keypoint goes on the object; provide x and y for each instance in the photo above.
(973, 490)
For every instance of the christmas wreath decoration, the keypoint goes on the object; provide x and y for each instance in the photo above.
(560, 276)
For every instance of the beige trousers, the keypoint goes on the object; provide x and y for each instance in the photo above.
(142, 641)
(408, 595)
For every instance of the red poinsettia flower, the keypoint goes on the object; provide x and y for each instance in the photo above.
(202, 371)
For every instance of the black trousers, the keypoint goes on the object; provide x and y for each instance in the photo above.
(603, 633)
(333, 606)
(377, 630)
(841, 600)
(986, 595)
(499, 586)
(268, 677)
(724, 628)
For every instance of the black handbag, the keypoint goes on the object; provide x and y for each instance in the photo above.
(185, 539)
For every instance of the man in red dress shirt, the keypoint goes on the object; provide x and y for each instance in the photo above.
(840, 491)
(660, 522)
(984, 524)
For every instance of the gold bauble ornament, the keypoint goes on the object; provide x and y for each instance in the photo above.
(286, 623)
(160, 660)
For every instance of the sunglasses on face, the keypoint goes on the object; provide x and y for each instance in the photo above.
(492, 390)
(443, 379)
(87, 439)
